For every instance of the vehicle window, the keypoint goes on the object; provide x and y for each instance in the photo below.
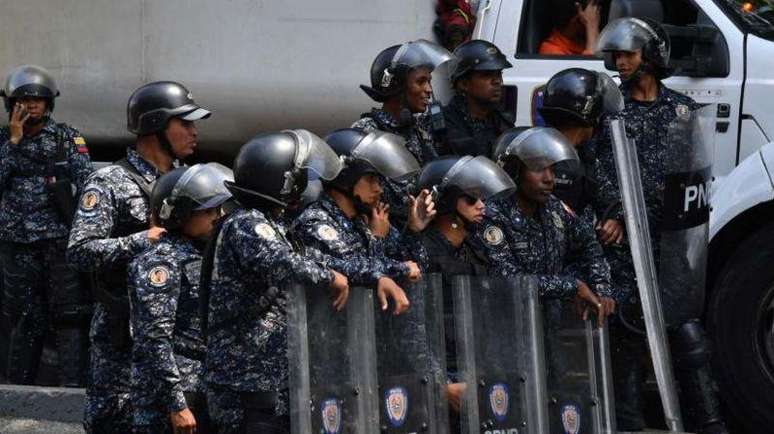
(695, 50)
(554, 28)
(753, 16)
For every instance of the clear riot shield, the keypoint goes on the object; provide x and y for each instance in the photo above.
(499, 355)
(332, 361)
(684, 227)
(411, 363)
(579, 379)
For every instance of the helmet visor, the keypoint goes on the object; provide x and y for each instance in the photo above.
(612, 98)
(624, 34)
(421, 53)
(542, 147)
(204, 184)
(387, 153)
(315, 155)
(479, 177)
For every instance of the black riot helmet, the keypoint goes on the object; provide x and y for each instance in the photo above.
(29, 81)
(391, 67)
(272, 168)
(581, 97)
(451, 177)
(152, 106)
(361, 153)
(477, 55)
(182, 191)
(631, 34)
(536, 148)
(504, 140)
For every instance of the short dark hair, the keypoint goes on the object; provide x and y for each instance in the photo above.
(563, 11)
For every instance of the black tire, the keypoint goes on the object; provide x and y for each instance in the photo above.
(744, 368)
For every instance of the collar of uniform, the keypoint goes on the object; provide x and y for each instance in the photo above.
(384, 117)
(143, 166)
(332, 208)
(50, 127)
(460, 103)
(441, 239)
(626, 90)
(179, 241)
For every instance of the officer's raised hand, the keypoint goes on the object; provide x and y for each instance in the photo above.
(387, 288)
(340, 287)
(421, 212)
(16, 125)
(155, 233)
(379, 221)
(585, 299)
(183, 421)
(610, 231)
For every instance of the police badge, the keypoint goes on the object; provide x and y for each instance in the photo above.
(158, 276)
(683, 112)
(396, 401)
(263, 230)
(498, 401)
(327, 233)
(89, 200)
(493, 235)
(331, 416)
(571, 419)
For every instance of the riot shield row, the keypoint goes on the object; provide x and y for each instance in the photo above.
(525, 366)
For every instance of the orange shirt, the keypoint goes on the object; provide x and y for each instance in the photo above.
(559, 45)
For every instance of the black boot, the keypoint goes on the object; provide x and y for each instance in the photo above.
(699, 394)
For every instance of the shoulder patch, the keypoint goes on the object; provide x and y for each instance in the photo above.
(158, 275)
(264, 230)
(493, 235)
(89, 200)
(80, 145)
(557, 220)
(327, 233)
(683, 112)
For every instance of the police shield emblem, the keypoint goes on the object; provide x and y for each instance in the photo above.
(89, 200)
(158, 276)
(396, 400)
(494, 235)
(498, 401)
(571, 419)
(331, 416)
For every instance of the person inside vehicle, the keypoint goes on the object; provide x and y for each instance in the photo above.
(576, 28)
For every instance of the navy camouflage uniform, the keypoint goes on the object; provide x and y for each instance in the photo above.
(168, 348)
(40, 289)
(647, 126)
(419, 141)
(247, 320)
(466, 135)
(555, 245)
(110, 228)
(360, 255)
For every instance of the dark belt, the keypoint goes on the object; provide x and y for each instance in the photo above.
(258, 400)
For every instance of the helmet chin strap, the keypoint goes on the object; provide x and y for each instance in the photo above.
(166, 146)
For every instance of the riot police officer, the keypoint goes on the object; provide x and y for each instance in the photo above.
(111, 226)
(460, 185)
(39, 161)
(532, 232)
(252, 261)
(168, 348)
(472, 119)
(400, 80)
(351, 223)
(574, 101)
(639, 50)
